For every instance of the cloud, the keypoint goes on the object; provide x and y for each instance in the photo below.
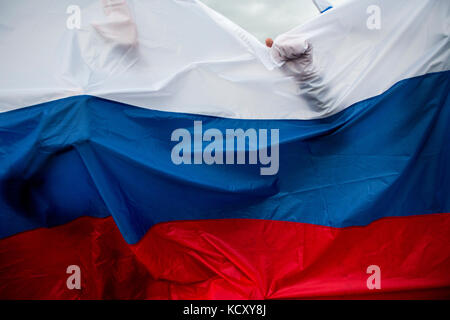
(265, 18)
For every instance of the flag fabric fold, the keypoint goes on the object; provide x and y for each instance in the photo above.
(116, 156)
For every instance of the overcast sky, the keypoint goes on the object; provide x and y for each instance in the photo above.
(266, 18)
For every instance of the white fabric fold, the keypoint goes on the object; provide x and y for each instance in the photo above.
(181, 56)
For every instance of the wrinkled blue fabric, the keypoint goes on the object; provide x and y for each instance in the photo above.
(87, 156)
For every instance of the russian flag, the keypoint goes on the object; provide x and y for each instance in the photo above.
(157, 149)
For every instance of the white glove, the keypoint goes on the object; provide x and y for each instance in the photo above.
(288, 47)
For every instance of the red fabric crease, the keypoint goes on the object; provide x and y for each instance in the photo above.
(230, 259)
